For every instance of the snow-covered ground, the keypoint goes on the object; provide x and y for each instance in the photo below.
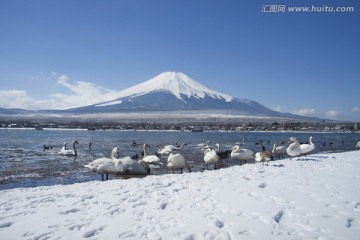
(317, 197)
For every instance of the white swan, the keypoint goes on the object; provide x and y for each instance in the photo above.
(242, 143)
(293, 149)
(279, 151)
(203, 145)
(68, 152)
(210, 156)
(241, 154)
(263, 156)
(124, 166)
(118, 166)
(149, 158)
(94, 165)
(306, 148)
(177, 162)
(358, 144)
(170, 148)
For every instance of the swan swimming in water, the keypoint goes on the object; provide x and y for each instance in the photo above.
(203, 145)
(177, 161)
(306, 148)
(68, 152)
(293, 149)
(210, 156)
(241, 154)
(170, 148)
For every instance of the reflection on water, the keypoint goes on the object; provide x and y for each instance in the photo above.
(24, 161)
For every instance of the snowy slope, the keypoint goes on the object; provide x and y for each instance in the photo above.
(175, 83)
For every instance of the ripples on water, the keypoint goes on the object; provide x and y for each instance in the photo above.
(24, 162)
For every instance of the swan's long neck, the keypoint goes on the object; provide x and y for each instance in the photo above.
(114, 155)
(145, 150)
(294, 144)
(236, 148)
(182, 145)
(74, 147)
(310, 141)
(145, 165)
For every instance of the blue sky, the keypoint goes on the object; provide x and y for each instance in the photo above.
(59, 53)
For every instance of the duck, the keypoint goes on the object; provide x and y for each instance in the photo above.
(279, 151)
(68, 152)
(149, 158)
(306, 148)
(263, 156)
(293, 149)
(210, 156)
(94, 165)
(177, 161)
(241, 154)
(47, 147)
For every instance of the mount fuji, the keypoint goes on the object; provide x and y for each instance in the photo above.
(175, 91)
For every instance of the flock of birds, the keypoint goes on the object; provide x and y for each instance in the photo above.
(176, 161)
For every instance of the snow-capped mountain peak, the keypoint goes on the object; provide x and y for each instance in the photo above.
(176, 83)
(175, 91)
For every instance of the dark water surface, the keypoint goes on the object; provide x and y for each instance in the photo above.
(25, 163)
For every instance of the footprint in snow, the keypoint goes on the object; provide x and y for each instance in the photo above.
(72, 210)
(278, 216)
(93, 232)
(349, 222)
(5, 225)
(219, 224)
(163, 205)
(262, 185)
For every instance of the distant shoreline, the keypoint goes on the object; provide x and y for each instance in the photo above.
(175, 121)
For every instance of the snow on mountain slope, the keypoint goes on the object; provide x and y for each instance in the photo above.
(175, 83)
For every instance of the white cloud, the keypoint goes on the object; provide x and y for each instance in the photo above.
(278, 108)
(81, 94)
(16, 99)
(310, 112)
(333, 114)
(355, 109)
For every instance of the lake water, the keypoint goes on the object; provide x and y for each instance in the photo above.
(25, 163)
